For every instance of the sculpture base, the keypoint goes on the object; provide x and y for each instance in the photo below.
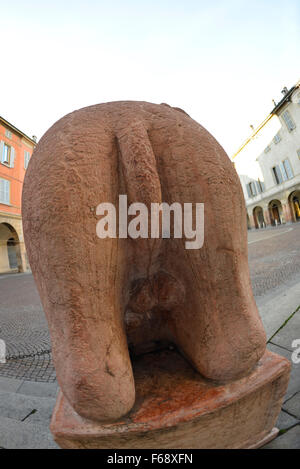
(177, 408)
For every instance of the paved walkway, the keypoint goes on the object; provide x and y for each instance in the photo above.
(24, 328)
(26, 406)
(273, 257)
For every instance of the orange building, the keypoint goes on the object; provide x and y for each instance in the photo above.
(15, 151)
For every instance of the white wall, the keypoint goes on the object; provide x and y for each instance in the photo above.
(286, 148)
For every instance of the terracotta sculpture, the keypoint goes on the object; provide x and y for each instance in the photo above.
(112, 301)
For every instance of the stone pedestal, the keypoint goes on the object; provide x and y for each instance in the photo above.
(177, 408)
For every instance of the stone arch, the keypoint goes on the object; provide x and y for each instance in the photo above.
(10, 253)
(258, 217)
(294, 204)
(275, 212)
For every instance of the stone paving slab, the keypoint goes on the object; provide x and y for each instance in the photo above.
(289, 333)
(32, 388)
(19, 407)
(286, 421)
(294, 382)
(21, 435)
(9, 384)
(275, 307)
(293, 405)
(288, 440)
(274, 259)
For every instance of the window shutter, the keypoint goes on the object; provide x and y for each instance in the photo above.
(12, 157)
(283, 171)
(6, 191)
(258, 186)
(288, 169)
(253, 188)
(1, 151)
(26, 158)
(279, 175)
(262, 184)
(248, 190)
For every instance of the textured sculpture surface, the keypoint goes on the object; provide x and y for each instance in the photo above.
(106, 297)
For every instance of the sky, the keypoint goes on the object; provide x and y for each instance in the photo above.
(221, 61)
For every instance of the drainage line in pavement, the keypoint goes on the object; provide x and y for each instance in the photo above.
(284, 324)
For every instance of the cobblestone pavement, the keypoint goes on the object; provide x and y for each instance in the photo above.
(24, 328)
(273, 261)
(273, 256)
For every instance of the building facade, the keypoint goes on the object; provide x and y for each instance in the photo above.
(272, 184)
(15, 151)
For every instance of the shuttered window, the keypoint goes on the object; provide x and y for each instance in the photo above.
(288, 121)
(7, 154)
(283, 171)
(277, 175)
(4, 191)
(252, 189)
(26, 158)
(277, 138)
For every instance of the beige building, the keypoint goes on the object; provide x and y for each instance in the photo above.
(268, 164)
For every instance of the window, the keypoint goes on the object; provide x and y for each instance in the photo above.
(251, 189)
(277, 175)
(260, 186)
(255, 187)
(267, 149)
(7, 154)
(26, 158)
(8, 133)
(4, 191)
(288, 169)
(288, 121)
(298, 153)
(283, 171)
(277, 138)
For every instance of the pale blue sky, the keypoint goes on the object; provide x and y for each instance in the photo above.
(221, 61)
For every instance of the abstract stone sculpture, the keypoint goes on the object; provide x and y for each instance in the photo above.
(123, 313)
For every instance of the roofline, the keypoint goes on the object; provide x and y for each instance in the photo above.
(275, 110)
(5, 122)
(286, 98)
